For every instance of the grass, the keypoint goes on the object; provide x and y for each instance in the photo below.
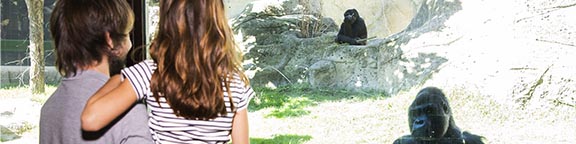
(346, 117)
(300, 114)
(287, 139)
(291, 101)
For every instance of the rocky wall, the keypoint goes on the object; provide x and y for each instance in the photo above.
(279, 52)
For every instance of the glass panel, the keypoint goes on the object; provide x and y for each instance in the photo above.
(14, 32)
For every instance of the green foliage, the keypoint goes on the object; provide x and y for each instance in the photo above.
(10, 86)
(25, 127)
(282, 139)
(21, 45)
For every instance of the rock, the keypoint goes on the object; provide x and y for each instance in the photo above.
(281, 53)
(7, 134)
(18, 115)
(6, 114)
(523, 56)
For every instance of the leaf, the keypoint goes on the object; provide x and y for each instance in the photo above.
(5, 22)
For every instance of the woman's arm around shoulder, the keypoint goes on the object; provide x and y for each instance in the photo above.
(110, 101)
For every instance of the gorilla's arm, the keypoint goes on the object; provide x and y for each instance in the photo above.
(342, 37)
(407, 139)
(362, 32)
(346, 39)
(472, 138)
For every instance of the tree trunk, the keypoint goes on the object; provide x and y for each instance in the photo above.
(36, 18)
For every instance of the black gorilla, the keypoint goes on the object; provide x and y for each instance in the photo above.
(353, 29)
(431, 122)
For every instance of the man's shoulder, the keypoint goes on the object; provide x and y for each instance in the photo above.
(133, 125)
(86, 76)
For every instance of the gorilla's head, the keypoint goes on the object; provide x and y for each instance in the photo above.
(429, 115)
(351, 15)
(430, 121)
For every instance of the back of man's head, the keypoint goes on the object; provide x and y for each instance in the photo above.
(79, 29)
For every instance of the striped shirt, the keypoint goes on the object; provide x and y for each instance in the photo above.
(166, 127)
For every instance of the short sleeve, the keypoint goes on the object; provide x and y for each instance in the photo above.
(139, 76)
(245, 96)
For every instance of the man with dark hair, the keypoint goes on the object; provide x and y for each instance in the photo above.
(91, 38)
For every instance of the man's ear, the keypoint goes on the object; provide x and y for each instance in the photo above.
(109, 40)
(110, 44)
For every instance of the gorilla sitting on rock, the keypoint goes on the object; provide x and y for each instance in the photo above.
(431, 122)
(353, 29)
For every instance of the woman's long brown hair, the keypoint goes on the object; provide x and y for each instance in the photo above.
(196, 58)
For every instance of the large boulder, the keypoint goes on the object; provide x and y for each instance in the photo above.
(382, 17)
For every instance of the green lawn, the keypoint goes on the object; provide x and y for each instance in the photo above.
(302, 115)
(299, 114)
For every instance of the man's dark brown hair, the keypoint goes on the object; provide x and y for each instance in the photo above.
(79, 29)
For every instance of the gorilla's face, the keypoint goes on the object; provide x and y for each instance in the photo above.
(350, 15)
(430, 121)
(429, 115)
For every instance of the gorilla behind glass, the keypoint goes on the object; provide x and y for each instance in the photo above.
(431, 122)
(353, 29)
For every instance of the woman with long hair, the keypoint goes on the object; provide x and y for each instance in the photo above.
(194, 86)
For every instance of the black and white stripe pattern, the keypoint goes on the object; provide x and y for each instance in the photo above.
(167, 127)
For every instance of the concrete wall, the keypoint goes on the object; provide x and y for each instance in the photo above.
(20, 75)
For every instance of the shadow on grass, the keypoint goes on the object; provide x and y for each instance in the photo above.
(292, 108)
(282, 139)
(291, 101)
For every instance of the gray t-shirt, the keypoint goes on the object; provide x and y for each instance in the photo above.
(60, 115)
